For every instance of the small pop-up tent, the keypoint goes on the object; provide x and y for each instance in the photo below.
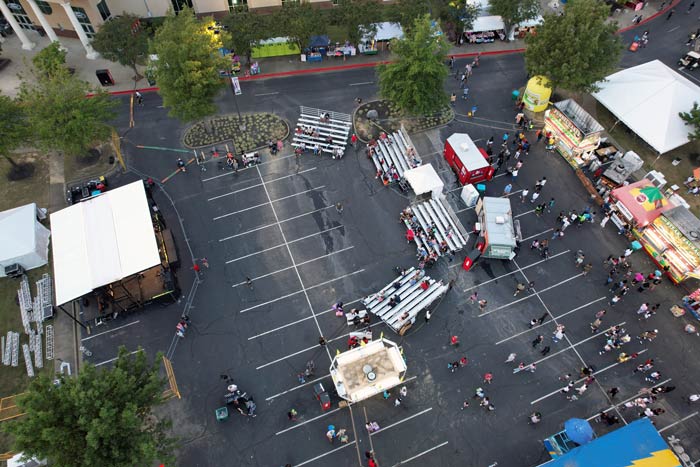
(23, 240)
(424, 180)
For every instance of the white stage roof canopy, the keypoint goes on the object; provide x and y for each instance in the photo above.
(102, 240)
(647, 98)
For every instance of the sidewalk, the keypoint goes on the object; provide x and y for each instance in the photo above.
(271, 67)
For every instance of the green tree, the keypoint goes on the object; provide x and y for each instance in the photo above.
(50, 61)
(415, 80)
(124, 41)
(514, 12)
(246, 31)
(457, 16)
(13, 127)
(574, 50)
(692, 119)
(188, 65)
(357, 17)
(406, 12)
(61, 117)
(300, 21)
(99, 418)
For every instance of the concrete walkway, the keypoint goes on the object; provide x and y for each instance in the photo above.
(271, 67)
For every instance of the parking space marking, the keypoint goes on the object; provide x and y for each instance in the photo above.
(299, 386)
(572, 346)
(595, 373)
(325, 454)
(268, 202)
(525, 213)
(115, 358)
(281, 245)
(536, 294)
(275, 223)
(298, 264)
(678, 421)
(248, 168)
(301, 291)
(295, 426)
(537, 235)
(638, 394)
(111, 330)
(405, 461)
(266, 94)
(514, 272)
(260, 184)
(547, 322)
(298, 321)
(381, 430)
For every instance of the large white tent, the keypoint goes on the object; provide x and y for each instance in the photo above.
(385, 32)
(647, 98)
(23, 240)
(102, 240)
(424, 179)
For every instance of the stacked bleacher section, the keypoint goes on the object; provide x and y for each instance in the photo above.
(413, 298)
(436, 228)
(338, 127)
(394, 155)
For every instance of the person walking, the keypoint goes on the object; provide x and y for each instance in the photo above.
(507, 189)
(454, 340)
(139, 97)
(537, 341)
(488, 377)
(613, 392)
(545, 351)
(482, 305)
(249, 282)
(514, 175)
(292, 415)
(670, 13)
(453, 99)
(511, 357)
(474, 297)
(523, 195)
(519, 288)
(690, 7)
(428, 315)
(587, 268)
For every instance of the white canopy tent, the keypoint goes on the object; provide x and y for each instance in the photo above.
(487, 23)
(647, 98)
(385, 32)
(424, 179)
(102, 240)
(23, 240)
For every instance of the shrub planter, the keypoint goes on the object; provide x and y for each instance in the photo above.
(390, 118)
(259, 129)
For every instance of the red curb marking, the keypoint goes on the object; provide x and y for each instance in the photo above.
(654, 16)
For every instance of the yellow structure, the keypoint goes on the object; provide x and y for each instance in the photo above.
(9, 408)
(172, 391)
(537, 94)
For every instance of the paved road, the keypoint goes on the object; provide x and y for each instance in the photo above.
(277, 224)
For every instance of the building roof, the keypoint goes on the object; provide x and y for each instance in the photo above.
(579, 117)
(643, 200)
(686, 222)
(647, 98)
(467, 151)
(102, 240)
(635, 444)
(498, 216)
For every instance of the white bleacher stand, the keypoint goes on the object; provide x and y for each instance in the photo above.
(393, 155)
(432, 216)
(413, 299)
(315, 130)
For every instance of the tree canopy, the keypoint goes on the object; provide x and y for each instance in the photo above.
(188, 66)
(101, 417)
(692, 119)
(122, 40)
(301, 21)
(406, 12)
(514, 12)
(61, 117)
(415, 80)
(246, 30)
(50, 61)
(574, 50)
(351, 14)
(13, 126)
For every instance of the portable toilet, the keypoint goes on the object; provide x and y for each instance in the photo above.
(471, 164)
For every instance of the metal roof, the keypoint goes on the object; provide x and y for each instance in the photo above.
(686, 222)
(498, 217)
(467, 151)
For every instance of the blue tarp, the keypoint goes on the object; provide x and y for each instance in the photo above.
(622, 448)
(319, 41)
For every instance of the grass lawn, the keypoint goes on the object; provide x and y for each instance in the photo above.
(688, 154)
(13, 194)
(89, 166)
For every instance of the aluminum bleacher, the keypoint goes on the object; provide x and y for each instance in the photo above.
(435, 227)
(337, 127)
(393, 155)
(399, 303)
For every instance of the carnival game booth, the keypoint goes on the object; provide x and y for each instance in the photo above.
(638, 204)
(275, 47)
(485, 29)
(576, 134)
(368, 370)
(112, 245)
(317, 49)
(470, 164)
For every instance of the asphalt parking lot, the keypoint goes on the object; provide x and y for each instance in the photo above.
(277, 225)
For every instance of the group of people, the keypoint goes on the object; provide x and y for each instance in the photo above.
(430, 248)
(314, 132)
(391, 174)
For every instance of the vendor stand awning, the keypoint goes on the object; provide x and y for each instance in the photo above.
(641, 202)
(647, 98)
(385, 32)
(575, 131)
(486, 23)
(102, 240)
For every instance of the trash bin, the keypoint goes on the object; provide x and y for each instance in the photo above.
(105, 77)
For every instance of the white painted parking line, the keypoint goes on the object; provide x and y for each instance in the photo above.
(297, 387)
(406, 461)
(547, 322)
(300, 424)
(298, 264)
(687, 417)
(621, 403)
(111, 330)
(301, 291)
(308, 461)
(279, 246)
(525, 213)
(266, 94)
(361, 84)
(115, 358)
(298, 321)
(280, 158)
(537, 235)
(572, 346)
(275, 223)
(382, 430)
(260, 184)
(267, 203)
(508, 196)
(580, 380)
(536, 294)
(515, 271)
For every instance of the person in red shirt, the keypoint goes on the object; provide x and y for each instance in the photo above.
(424, 285)
(410, 236)
(371, 463)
